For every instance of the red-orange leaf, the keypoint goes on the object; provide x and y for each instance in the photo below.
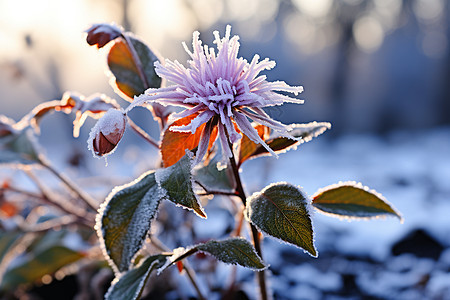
(128, 80)
(174, 144)
(247, 147)
(8, 209)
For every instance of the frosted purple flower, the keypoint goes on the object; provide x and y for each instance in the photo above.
(222, 89)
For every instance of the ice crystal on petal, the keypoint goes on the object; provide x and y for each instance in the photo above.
(223, 89)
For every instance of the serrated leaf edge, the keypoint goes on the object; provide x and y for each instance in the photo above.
(99, 217)
(190, 156)
(180, 253)
(141, 284)
(358, 185)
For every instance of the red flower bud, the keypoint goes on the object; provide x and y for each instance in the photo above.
(101, 34)
(107, 133)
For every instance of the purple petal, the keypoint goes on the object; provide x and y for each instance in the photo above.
(247, 129)
(204, 141)
(224, 141)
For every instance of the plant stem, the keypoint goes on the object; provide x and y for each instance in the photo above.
(187, 268)
(142, 133)
(211, 192)
(255, 234)
(71, 185)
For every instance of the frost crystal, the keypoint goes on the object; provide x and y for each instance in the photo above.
(221, 90)
(107, 133)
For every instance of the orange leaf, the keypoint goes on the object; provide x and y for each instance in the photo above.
(8, 209)
(247, 147)
(120, 60)
(124, 66)
(174, 144)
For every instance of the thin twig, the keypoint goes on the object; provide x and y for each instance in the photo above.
(187, 268)
(53, 223)
(212, 192)
(255, 234)
(49, 199)
(71, 185)
(142, 133)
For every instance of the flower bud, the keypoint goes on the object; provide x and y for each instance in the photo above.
(107, 133)
(101, 34)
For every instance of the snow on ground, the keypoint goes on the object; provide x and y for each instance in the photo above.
(412, 171)
(376, 259)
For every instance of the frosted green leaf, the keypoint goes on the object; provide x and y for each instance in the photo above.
(19, 147)
(353, 200)
(130, 285)
(176, 184)
(125, 218)
(235, 251)
(213, 178)
(281, 210)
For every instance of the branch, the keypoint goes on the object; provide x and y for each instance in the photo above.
(142, 133)
(71, 185)
(47, 197)
(212, 192)
(255, 234)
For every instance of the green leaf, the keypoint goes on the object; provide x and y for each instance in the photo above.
(282, 211)
(19, 148)
(176, 183)
(124, 68)
(236, 251)
(7, 240)
(131, 284)
(213, 178)
(351, 199)
(36, 265)
(125, 217)
(303, 132)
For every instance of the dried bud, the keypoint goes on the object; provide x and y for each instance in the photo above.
(107, 133)
(6, 126)
(101, 34)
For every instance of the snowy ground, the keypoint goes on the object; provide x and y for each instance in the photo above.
(376, 259)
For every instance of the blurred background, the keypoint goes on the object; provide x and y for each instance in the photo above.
(378, 70)
(367, 66)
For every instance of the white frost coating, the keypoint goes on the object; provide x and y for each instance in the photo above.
(357, 185)
(176, 253)
(139, 286)
(112, 122)
(219, 255)
(161, 175)
(308, 207)
(136, 225)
